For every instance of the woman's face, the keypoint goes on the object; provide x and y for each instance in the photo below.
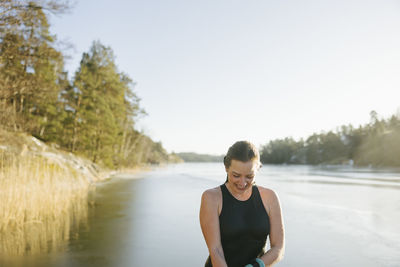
(241, 174)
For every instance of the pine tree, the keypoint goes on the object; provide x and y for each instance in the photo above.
(30, 66)
(102, 106)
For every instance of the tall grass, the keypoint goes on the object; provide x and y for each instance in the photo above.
(40, 202)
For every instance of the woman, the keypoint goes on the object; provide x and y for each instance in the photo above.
(237, 217)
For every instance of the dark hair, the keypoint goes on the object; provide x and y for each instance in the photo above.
(242, 151)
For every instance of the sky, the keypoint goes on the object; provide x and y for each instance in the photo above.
(212, 72)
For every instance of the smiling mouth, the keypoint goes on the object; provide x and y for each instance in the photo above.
(240, 187)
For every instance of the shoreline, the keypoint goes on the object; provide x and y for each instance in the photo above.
(133, 173)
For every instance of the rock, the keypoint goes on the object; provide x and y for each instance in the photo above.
(23, 145)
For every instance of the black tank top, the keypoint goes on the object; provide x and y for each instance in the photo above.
(244, 228)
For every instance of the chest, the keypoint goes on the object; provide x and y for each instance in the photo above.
(244, 220)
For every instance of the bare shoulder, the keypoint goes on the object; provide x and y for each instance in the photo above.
(212, 195)
(269, 197)
(211, 200)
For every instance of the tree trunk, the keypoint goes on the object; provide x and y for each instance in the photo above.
(75, 127)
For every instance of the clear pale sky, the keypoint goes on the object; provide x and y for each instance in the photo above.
(212, 72)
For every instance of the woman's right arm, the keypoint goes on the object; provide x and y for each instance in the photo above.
(209, 222)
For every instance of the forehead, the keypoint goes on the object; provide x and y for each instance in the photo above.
(243, 167)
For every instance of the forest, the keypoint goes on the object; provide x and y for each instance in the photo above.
(92, 114)
(376, 144)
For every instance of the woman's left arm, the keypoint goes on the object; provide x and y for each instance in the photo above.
(277, 231)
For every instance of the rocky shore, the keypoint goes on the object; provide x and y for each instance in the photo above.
(22, 145)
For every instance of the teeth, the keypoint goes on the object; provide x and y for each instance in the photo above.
(241, 187)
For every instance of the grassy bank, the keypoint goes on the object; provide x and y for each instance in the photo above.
(44, 194)
(40, 202)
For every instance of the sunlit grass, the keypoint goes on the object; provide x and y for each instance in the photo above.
(40, 202)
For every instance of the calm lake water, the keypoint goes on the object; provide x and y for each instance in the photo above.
(334, 216)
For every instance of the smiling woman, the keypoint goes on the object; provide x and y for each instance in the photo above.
(237, 217)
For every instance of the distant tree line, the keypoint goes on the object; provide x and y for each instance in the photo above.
(194, 157)
(92, 114)
(374, 144)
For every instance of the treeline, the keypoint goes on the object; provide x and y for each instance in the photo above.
(93, 114)
(194, 157)
(374, 144)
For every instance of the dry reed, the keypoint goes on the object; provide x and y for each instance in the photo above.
(40, 202)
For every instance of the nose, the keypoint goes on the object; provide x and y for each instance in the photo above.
(242, 181)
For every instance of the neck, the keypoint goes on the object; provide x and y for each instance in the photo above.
(239, 195)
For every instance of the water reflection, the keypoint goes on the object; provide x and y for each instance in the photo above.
(109, 223)
(139, 222)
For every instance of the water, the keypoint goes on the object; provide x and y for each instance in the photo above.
(333, 217)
